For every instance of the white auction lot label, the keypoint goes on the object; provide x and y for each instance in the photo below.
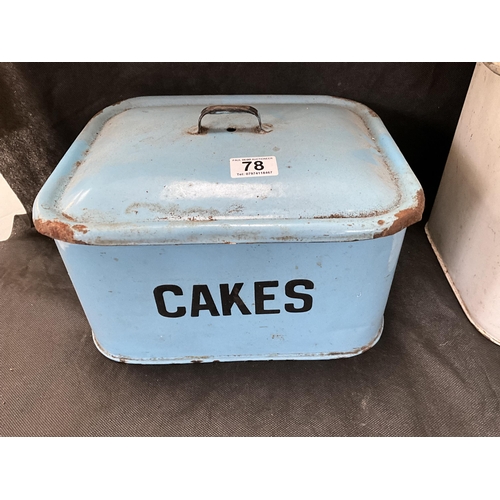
(253, 167)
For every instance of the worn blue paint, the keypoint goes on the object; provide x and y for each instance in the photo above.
(115, 285)
(154, 202)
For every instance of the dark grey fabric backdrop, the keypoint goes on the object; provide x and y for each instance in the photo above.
(431, 373)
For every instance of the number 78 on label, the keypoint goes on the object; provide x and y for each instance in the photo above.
(253, 167)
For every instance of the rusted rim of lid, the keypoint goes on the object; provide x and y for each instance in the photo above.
(54, 221)
(405, 217)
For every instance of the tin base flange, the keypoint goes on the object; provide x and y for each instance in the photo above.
(478, 327)
(212, 359)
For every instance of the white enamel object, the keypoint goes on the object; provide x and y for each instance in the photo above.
(464, 227)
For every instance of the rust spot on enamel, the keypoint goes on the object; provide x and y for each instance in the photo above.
(68, 217)
(58, 230)
(80, 228)
(406, 217)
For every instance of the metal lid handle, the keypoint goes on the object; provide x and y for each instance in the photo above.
(220, 109)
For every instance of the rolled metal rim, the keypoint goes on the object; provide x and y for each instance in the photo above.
(493, 66)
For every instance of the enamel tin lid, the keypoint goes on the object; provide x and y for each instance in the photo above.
(229, 169)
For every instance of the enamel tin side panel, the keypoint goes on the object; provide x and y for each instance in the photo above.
(200, 303)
